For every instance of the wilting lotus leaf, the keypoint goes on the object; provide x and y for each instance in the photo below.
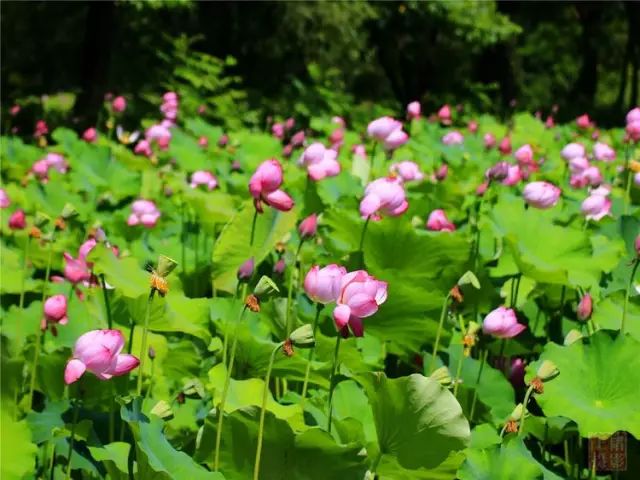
(597, 385)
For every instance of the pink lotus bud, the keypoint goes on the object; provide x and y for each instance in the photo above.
(514, 176)
(595, 135)
(203, 142)
(160, 134)
(498, 172)
(413, 110)
(406, 171)
(223, 140)
(589, 176)
(438, 222)
(320, 161)
(573, 150)
(245, 271)
(85, 248)
(583, 121)
(578, 164)
(143, 147)
(289, 123)
(444, 115)
(17, 220)
(633, 115)
(395, 139)
(473, 127)
(308, 226)
(143, 212)
(383, 196)
(336, 137)
(119, 104)
(360, 151)
(322, 285)
(359, 297)
(339, 121)
(57, 162)
(4, 199)
(14, 110)
(297, 138)
(55, 311)
(170, 96)
(524, 155)
(549, 123)
(541, 194)
(279, 200)
(516, 372)
(98, 352)
(585, 307)
(76, 270)
(453, 138)
(41, 129)
(287, 150)
(90, 135)
(489, 140)
(637, 245)
(482, 188)
(41, 169)
(277, 130)
(596, 207)
(505, 145)
(203, 177)
(382, 127)
(279, 267)
(267, 178)
(633, 130)
(502, 323)
(442, 172)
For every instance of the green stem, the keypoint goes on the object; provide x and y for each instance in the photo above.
(332, 380)
(145, 332)
(319, 307)
(288, 327)
(443, 313)
(36, 353)
(364, 231)
(458, 372)
(524, 409)
(374, 464)
(52, 461)
(627, 195)
(253, 228)
(483, 360)
(24, 271)
(263, 408)
(627, 294)
(71, 441)
(131, 331)
(225, 390)
(107, 305)
(184, 237)
(112, 416)
(225, 344)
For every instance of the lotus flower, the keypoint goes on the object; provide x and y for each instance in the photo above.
(589, 176)
(4, 199)
(203, 177)
(583, 121)
(17, 220)
(572, 150)
(489, 140)
(90, 135)
(320, 161)
(438, 222)
(55, 311)
(633, 115)
(395, 139)
(524, 155)
(76, 270)
(596, 206)
(502, 323)
(473, 126)
(549, 123)
(413, 110)
(143, 147)
(360, 151)
(159, 134)
(264, 187)
(203, 142)
(453, 138)
(633, 130)
(383, 196)
(382, 127)
(98, 352)
(297, 138)
(143, 212)
(322, 285)
(246, 270)
(514, 176)
(541, 194)
(505, 145)
(603, 152)
(119, 104)
(585, 307)
(41, 129)
(406, 171)
(279, 267)
(277, 130)
(360, 296)
(308, 226)
(444, 115)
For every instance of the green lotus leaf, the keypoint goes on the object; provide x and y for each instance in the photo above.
(18, 454)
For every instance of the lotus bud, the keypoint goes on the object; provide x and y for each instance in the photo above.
(303, 337)
(585, 307)
(265, 289)
(547, 371)
(152, 352)
(442, 376)
(572, 337)
(245, 271)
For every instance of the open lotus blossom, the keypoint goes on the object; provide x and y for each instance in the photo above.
(382, 127)
(502, 323)
(572, 150)
(444, 115)
(143, 212)
(585, 307)
(76, 270)
(384, 196)
(308, 226)
(505, 145)
(413, 110)
(438, 222)
(90, 135)
(321, 162)
(453, 138)
(514, 176)
(596, 206)
(541, 194)
(159, 134)
(57, 162)
(406, 171)
(603, 152)
(86, 247)
(489, 140)
(203, 177)
(4, 198)
(17, 220)
(360, 296)
(589, 176)
(98, 352)
(55, 311)
(322, 285)
(583, 121)
(264, 186)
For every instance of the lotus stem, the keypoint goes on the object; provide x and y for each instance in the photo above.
(287, 322)
(76, 411)
(483, 360)
(24, 270)
(364, 231)
(627, 195)
(332, 386)
(145, 332)
(436, 344)
(628, 293)
(263, 408)
(107, 305)
(524, 409)
(319, 307)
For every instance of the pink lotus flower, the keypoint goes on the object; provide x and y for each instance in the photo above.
(444, 115)
(524, 155)
(453, 138)
(308, 226)
(55, 311)
(502, 323)
(14, 110)
(578, 164)
(119, 104)
(86, 248)
(143, 147)
(505, 145)
(57, 162)
(336, 138)
(322, 285)
(498, 172)
(589, 176)
(246, 270)
(583, 121)
(383, 196)
(573, 150)
(203, 177)
(223, 140)
(203, 142)
(297, 139)
(160, 134)
(287, 150)
(41, 129)
(482, 188)
(438, 222)
(279, 267)
(143, 212)
(264, 187)
(585, 307)
(4, 199)
(633, 115)
(395, 139)
(633, 130)
(320, 161)
(596, 207)
(360, 151)
(360, 296)
(76, 270)
(473, 126)
(549, 123)
(603, 152)
(90, 135)
(541, 194)
(413, 110)
(514, 176)
(382, 127)
(277, 130)
(17, 220)
(489, 140)
(442, 172)
(289, 123)
(98, 352)
(339, 121)
(516, 372)
(406, 171)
